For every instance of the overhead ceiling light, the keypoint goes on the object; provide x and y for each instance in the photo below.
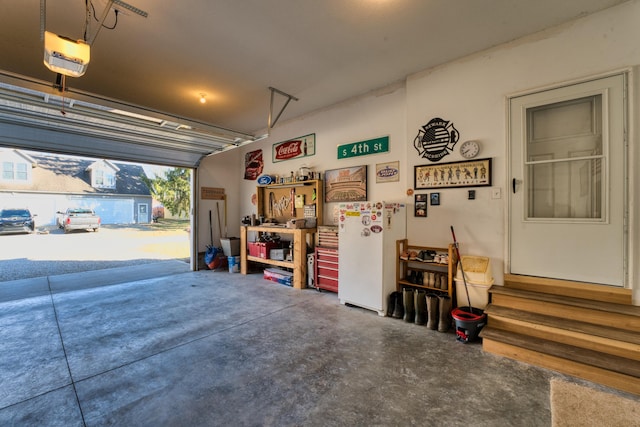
(203, 97)
(65, 56)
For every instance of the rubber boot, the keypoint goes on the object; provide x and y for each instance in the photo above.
(398, 310)
(421, 307)
(445, 313)
(432, 311)
(412, 276)
(391, 303)
(409, 305)
(432, 279)
(443, 282)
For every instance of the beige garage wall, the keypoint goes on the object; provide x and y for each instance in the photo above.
(472, 93)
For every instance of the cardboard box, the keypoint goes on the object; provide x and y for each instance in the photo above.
(279, 254)
(231, 246)
(296, 223)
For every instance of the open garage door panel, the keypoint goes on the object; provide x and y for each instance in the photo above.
(36, 117)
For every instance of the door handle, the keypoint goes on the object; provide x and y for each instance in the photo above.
(513, 185)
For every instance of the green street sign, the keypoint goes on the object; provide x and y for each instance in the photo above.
(363, 148)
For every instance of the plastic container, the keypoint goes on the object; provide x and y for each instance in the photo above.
(261, 249)
(476, 268)
(234, 264)
(469, 321)
(478, 293)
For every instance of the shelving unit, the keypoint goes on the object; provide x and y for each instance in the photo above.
(299, 263)
(404, 266)
(277, 201)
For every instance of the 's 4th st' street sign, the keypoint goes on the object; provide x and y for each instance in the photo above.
(363, 148)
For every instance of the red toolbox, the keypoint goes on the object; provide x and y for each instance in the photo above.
(261, 249)
(326, 271)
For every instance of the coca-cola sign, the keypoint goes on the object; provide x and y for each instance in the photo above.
(295, 148)
(288, 150)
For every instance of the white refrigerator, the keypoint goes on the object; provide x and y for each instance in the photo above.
(367, 234)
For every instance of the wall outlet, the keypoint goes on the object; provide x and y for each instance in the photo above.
(496, 193)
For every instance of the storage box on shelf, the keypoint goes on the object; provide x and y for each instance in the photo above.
(261, 249)
(434, 270)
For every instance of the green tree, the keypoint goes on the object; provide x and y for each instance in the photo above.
(173, 190)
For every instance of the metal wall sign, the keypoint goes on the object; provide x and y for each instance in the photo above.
(436, 139)
(296, 148)
(363, 148)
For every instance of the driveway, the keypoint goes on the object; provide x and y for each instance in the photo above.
(45, 254)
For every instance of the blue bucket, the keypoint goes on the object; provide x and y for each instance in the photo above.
(234, 264)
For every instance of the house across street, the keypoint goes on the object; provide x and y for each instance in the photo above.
(48, 183)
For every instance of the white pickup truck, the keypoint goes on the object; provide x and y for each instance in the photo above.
(78, 219)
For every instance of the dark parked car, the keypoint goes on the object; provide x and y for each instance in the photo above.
(16, 221)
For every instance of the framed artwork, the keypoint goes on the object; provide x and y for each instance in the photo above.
(468, 173)
(387, 172)
(420, 209)
(435, 199)
(346, 184)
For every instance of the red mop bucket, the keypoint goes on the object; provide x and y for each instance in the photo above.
(469, 321)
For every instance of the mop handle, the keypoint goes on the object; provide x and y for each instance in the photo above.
(464, 279)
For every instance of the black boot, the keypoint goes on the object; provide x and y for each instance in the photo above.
(421, 307)
(398, 310)
(391, 303)
(409, 305)
(413, 277)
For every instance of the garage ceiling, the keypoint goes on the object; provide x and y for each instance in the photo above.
(233, 51)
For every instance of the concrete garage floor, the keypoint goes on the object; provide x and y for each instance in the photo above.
(158, 345)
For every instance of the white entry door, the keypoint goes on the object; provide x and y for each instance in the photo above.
(143, 213)
(567, 195)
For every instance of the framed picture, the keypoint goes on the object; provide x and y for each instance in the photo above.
(420, 209)
(435, 199)
(387, 172)
(469, 173)
(346, 184)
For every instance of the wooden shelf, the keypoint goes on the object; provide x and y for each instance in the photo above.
(299, 264)
(404, 266)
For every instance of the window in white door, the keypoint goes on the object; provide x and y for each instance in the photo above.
(564, 161)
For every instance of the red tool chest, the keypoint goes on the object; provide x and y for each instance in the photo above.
(326, 263)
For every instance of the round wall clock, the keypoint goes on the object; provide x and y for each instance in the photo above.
(469, 149)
